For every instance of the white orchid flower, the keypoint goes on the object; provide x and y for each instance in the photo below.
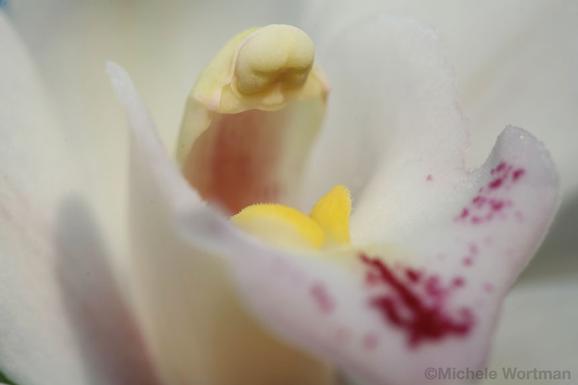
(341, 317)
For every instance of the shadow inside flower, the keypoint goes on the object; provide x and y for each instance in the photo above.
(557, 258)
(106, 331)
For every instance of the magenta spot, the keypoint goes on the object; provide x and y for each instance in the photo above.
(495, 183)
(488, 287)
(321, 297)
(423, 315)
(458, 281)
(412, 274)
(464, 214)
(429, 178)
(433, 286)
(370, 341)
(479, 200)
(476, 220)
(518, 174)
(371, 278)
(496, 205)
(468, 261)
(343, 335)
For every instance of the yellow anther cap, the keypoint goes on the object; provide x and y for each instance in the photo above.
(332, 213)
(327, 226)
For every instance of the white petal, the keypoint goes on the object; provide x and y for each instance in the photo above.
(514, 64)
(197, 329)
(392, 106)
(58, 323)
(529, 79)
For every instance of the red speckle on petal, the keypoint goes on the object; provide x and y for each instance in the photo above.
(429, 178)
(489, 201)
(413, 274)
(488, 287)
(322, 299)
(433, 287)
(518, 174)
(422, 314)
(497, 205)
(479, 200)
(343, 335)
(495, 183)
(500, 167)
(370, 341)
(371, 278)
(458, 281)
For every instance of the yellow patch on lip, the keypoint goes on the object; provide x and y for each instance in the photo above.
(283, 226)
(280, 225)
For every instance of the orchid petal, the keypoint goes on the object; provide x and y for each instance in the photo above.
(529, 79)
(198, 331)
(392, 105)
(513, 60)
(60, 316)
(33, 323)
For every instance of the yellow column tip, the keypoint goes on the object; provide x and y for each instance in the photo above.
(274, 56)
